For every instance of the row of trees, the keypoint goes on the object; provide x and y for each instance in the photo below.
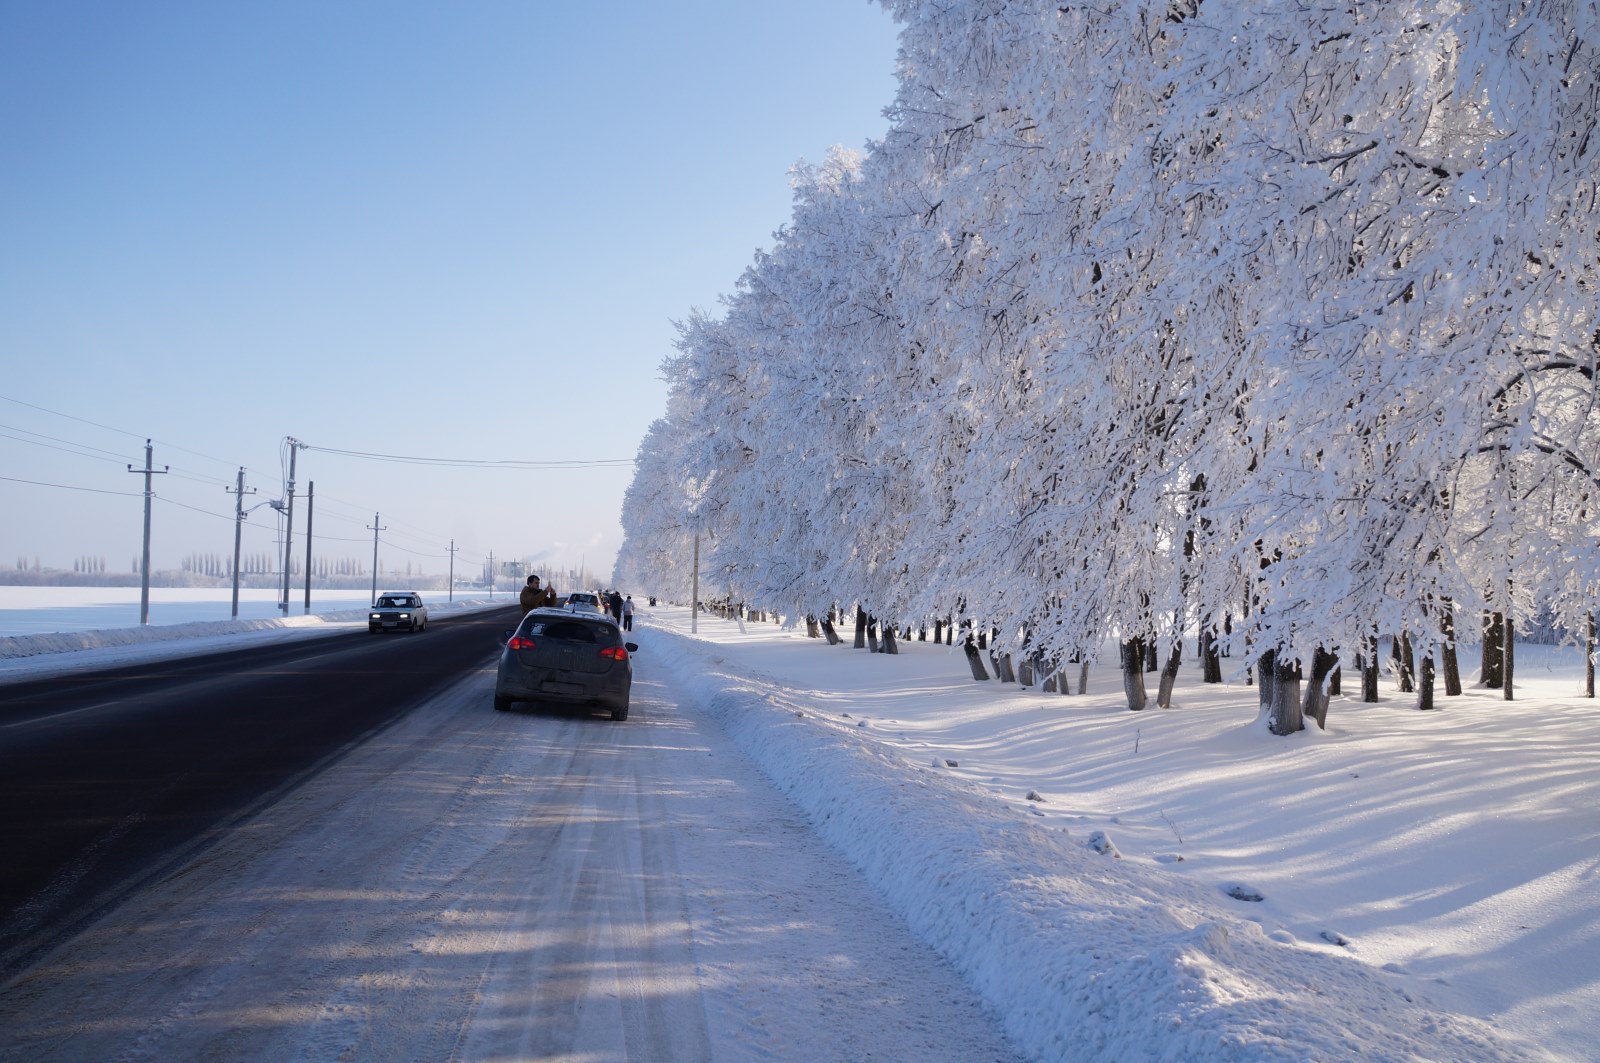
(261, 564)
(1273, 321)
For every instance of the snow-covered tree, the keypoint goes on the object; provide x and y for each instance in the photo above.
(1160, 317)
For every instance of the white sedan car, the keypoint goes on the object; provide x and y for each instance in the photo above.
(588, 604)
(398, 611)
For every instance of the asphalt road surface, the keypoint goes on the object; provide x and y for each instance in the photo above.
(108, 777)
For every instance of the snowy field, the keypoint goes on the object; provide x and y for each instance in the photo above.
(46, 630)
(1180, 884)
(44, 610)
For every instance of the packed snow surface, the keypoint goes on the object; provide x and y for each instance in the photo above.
(1172, 884)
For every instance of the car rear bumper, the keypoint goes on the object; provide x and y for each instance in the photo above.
(519, 684)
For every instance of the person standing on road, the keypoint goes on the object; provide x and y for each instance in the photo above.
(534, 596)
(614, 603)
(627, 613)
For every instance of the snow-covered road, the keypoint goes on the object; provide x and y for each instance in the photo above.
(480, 885)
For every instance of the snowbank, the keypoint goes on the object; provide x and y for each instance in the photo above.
(20, 654)
(1085, 954)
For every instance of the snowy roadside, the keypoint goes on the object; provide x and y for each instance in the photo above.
(42, 656)
(923, 780)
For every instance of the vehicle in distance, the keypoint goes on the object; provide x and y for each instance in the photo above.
(558, 657)
(396, 610)
(584, 602)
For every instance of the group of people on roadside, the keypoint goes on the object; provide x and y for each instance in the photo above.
(537, 596)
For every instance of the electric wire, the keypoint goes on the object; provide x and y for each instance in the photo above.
(406, 529)
(510, 464)
(70, 487)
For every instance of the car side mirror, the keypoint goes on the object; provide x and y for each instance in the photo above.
(633, 647)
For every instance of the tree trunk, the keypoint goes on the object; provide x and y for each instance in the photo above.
(1588, 660)
(1286, 716)
(1083, 676)
(1152, 662)
(1025, 670)
(872, 634)
(1425, 685)
(1051, 670)
(830, 632)
(1002, 667)
(1452, 665)
(1210, 656)
(1491, 671)
(1510, 673)
(1133, 673)
(861, 628)
(1169, 675)
(1264, 669)
(811, 627)
(1369, 671)
(1324, 666)
(974, 659)
(1334, 680)
(922, 633)
(1400, 653)
(889, 643)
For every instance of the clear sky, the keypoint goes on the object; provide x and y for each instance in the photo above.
(444, 230)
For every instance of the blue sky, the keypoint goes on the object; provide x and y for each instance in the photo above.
(456, 230)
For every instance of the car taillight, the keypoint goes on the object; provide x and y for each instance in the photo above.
(519, 643)
(615, 653)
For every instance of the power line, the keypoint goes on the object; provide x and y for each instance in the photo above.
(83, 450)
(86, 450)
(110, 428)
(480, 463)
(69, 487)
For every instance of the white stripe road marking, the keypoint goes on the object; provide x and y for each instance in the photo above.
(59, 715)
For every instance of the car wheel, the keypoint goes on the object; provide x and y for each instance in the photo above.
(371, 630)
(502, 704)
(618, 715)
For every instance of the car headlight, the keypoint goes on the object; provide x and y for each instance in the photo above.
(377, 616)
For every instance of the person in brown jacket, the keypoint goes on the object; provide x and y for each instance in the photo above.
(534, 596)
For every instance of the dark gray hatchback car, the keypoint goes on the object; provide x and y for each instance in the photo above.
(560, 658)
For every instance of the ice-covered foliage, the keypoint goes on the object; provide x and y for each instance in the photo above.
(1147, 315)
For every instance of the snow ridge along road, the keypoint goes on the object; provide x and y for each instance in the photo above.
(1086, 956)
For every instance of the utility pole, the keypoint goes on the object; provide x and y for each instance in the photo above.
(295, 446)
(149, 470)
(694, 590)
(311, 489)
(374, 529)
(238, 528)
(491, 575)
(452, 581)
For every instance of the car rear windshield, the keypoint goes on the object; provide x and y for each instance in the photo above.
(571, 631)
